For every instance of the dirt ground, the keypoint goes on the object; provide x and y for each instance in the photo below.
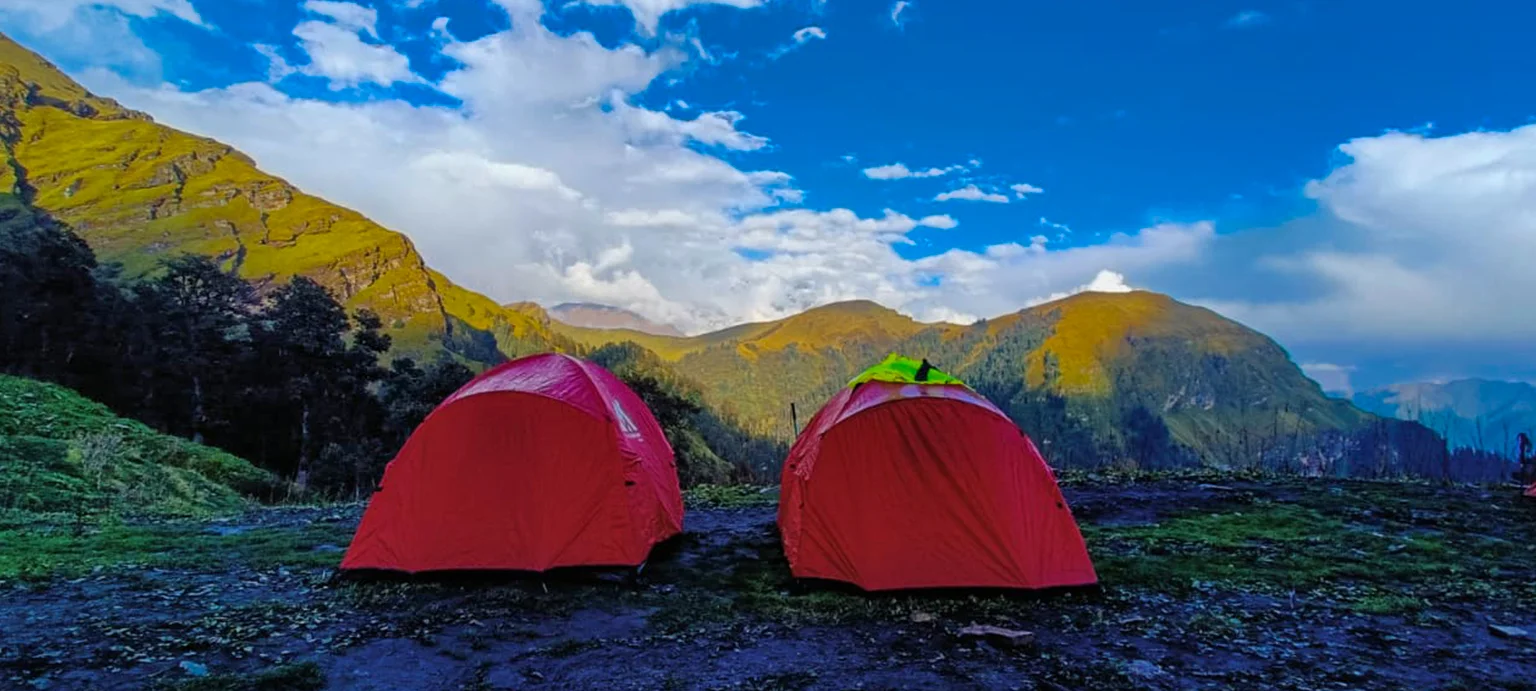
(1288, 585)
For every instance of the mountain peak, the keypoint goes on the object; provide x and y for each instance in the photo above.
(27, 79)
(596, 316)
(139, 192)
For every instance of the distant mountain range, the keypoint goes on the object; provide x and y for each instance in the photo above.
(1097, 379)
(595, 316)
(1469, 413)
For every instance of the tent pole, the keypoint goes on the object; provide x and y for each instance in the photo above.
(794, 419)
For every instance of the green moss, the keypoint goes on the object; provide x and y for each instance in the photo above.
(40, 551)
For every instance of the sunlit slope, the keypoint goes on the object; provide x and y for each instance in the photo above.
(140, 192)
(1083, 362)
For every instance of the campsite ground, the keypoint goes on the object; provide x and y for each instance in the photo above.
(1280, 584)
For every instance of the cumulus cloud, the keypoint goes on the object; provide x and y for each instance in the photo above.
(339, 55)
(971, 193)
(550, 183)
(1421, 246)
(94, 32)
(1025, 189)
(648, 13)
(899, 171)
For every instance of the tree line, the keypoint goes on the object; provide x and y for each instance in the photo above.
(287, 378)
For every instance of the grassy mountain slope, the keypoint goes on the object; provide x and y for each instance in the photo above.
(1073, 366)
(62, 452)
(1470, 413)
(140, 192)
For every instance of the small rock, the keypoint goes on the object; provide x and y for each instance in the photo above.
(1219, 488)
(1133, 619)
(999, 635)
(1141, 669)
(328, 548)
(193, 669)
(1508, 631)
(922, 617)
(1394, 549)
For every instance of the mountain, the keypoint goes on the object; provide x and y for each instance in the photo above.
(1095, 376)
(139, 192)
(594, 316)
(1097, 379)
(1470, 413)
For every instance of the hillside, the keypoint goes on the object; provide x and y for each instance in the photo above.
(62, 452)
(594, 316)
(1470, 413)
(1075, 372)
(139, 193)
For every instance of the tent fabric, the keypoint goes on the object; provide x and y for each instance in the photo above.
(895, 486)
(904, 370)
(541, 462)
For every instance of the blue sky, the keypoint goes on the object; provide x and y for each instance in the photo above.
(1354, 178)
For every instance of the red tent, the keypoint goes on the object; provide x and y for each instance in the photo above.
(541, 462)
(900, 482)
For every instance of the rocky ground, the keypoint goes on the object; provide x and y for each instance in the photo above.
(1286, 584)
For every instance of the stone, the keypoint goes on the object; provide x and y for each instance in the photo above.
(1508, 631)
(1141, 669)
(922, 617)
(193, 669)
(998, 635)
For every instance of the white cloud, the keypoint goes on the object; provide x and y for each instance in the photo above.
(95, 32)
(800, 38)
(349, 16)
(896, 11)
(648, 13)
(463, 168)
(52, 14)
(440, 28)
(277, 66)
(1247, 19)
(1062, 228)
(717, 128)
(809, 33)
(1333, 378)
(1419, 243)
(339, 55)
(899, 171)
(971, 193)
(1024, 189)
(549, 184)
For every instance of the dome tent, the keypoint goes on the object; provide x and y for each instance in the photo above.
(909, 479)
(541, 462)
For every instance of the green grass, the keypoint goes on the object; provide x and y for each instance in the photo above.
(61, 452)
(40, 552)
(1364, 539)
(730, 496)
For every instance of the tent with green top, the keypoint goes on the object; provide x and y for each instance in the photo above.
(909, 479)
